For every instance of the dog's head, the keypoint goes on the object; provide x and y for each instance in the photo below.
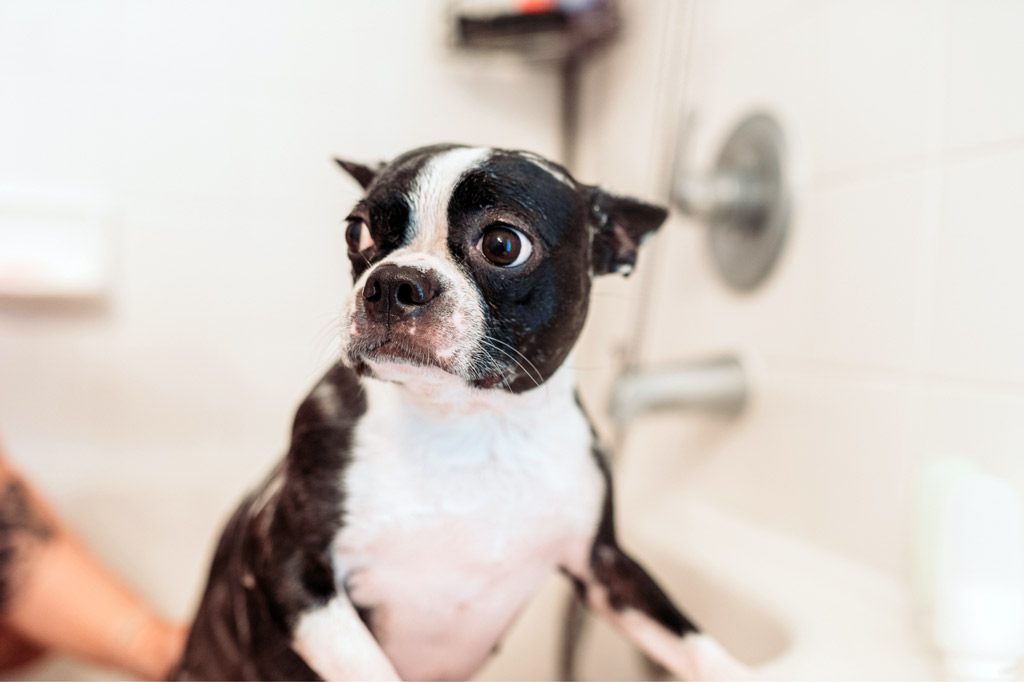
(478, 262)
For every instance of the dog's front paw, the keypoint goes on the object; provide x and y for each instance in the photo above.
(704, 660)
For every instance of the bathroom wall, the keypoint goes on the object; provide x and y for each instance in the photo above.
(209, 127)
(891, 332)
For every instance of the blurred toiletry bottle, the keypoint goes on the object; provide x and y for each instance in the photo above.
(971, 578)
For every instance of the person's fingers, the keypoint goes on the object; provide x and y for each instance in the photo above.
(155, 648)
(16, 650)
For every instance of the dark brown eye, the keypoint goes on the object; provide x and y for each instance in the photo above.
(357, 236)
(505, 246)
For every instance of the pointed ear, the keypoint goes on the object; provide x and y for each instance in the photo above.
(364, 175)
(620, 224)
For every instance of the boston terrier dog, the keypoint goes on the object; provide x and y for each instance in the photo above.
(444, 466)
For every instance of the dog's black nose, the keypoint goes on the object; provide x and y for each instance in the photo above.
(395, 291)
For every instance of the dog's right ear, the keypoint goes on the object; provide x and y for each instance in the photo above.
(620, 224)
(364, 175)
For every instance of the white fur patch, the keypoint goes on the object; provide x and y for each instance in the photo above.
(326, 397)
(453, 518)
(434, 187)
(693, 657)
(336, 644)
(427, 250)
(550, 168)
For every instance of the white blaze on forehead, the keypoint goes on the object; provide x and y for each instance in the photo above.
(545, 165)
(432, 192)
(458, 323)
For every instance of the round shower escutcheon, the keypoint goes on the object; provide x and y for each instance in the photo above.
(744, 202)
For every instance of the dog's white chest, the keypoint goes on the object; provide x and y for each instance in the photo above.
(451, 523)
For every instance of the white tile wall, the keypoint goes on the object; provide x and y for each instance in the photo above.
(867, 242)
(983, 100)
(975, 421)
(977, 283)
(788, 82)
(892, 331)
(848, 244)
(813, 453)
(882, 65)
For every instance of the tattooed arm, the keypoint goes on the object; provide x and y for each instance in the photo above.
(55, 594)
(22, 531)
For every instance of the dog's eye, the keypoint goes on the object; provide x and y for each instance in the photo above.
(505, 246)
(358, 236)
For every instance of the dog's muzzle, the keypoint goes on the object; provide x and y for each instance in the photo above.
(405, 314)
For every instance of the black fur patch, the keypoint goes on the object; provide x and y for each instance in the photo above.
(627, 584)
(535, 311)
(273, 561)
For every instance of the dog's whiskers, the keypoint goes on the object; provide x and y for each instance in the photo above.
(540, 377)
(326, 342)
(489, 342)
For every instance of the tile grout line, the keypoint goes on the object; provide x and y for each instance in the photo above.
(911, 378)
(909, 165)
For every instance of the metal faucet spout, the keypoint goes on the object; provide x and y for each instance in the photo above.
(716, 385)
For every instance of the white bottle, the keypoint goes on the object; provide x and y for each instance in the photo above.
(978, 609)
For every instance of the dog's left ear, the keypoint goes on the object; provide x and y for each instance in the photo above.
(620, 225)
(364, 175)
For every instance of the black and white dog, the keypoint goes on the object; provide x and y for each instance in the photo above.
(444, 466)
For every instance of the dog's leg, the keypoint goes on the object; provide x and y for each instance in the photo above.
(335, 643)
(618, 589)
